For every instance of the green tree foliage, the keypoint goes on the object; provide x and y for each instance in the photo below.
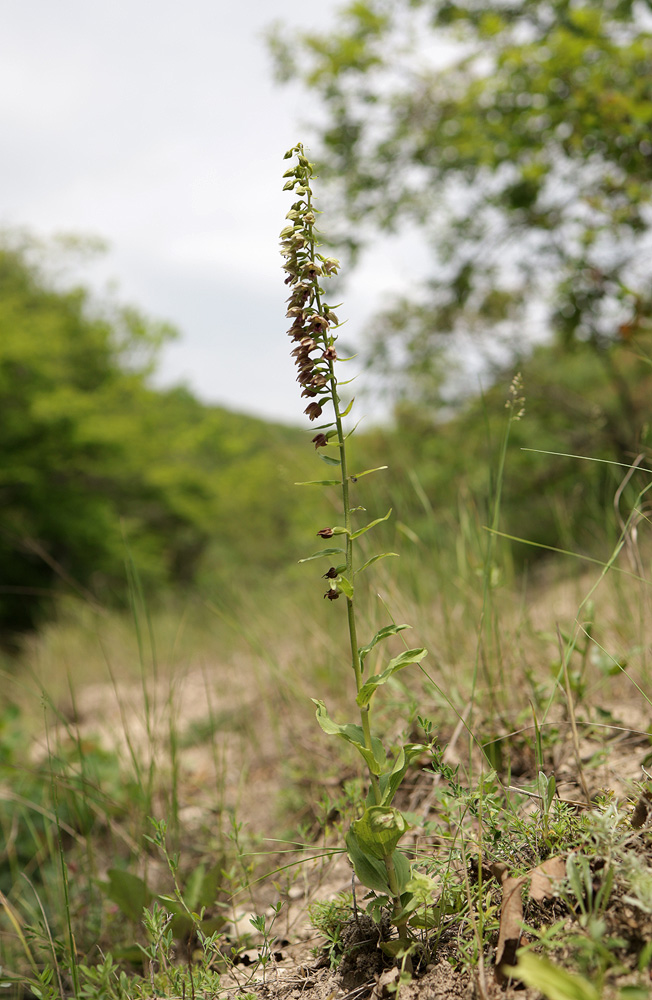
(94, 463)
(443, 484)
(517, 135)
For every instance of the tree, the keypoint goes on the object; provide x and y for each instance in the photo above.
(517, 135)
(97, 467)
(70, 378)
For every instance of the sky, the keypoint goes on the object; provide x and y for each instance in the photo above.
(158, 127)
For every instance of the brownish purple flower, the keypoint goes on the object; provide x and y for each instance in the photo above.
(330, 354)
(325, 533)
(318, 323)
(332, 595)
(313, 411)
(319, 440)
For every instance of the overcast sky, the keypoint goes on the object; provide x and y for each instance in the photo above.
(157, 126)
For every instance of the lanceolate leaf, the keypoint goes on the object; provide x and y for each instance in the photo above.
(323, 552)
(345, 586)
(320, 482)
(372, 524)
(367, 472)
(372, 871)
(369, 870)
(404, 660)
(346, 412)
(369, 562)
(375, 758)
(382, 633)
(329, 460)
(129, 892)
(390, 782)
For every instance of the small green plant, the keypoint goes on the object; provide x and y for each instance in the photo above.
(373, 839)
(330, 917)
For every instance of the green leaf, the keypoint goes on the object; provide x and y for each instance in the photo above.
(382, 633)
(398, 663)
(372, 872)
(129, 892)
(345, 586)
(367, 472)
(403, 870)
(372, 524)
(370, 562)
(323, 552)
(321, 482)
(419, 892)
(329, 460)
(369, 870)
(390, 782)
(193, 887)
(346, 412)
(375, 758)
(549, 979)
(379, 830)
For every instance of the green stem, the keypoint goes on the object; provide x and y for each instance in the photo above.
(350, 607)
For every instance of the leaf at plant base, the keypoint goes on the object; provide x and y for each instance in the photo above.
(549, 979)
(370, 562)
(369, 870)
(398, 663)
(379, 830)
(403, 870)
(129, 892)
(383, 633)
(322, 552)
(372, 872)
(193, 887)
(375, 758)
(320, 482)
(372, 524)
(394, 949)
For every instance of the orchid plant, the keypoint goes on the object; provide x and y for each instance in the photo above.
(373, 839)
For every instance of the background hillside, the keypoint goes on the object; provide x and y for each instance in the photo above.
(101, 471)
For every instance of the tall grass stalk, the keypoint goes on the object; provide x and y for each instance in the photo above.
(72, 948)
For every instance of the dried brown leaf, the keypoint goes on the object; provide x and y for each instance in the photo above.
(641, 810)
(511, 918)
(511, 911)
(543, 876)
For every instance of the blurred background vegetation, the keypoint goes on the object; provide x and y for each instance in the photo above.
(514, 139)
